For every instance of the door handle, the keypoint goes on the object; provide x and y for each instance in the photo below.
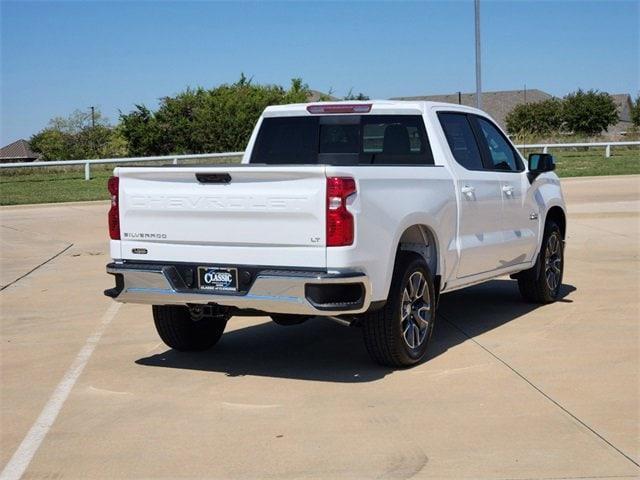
(468, 191)
(507, 189)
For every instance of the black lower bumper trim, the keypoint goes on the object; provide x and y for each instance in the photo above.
(345, 296)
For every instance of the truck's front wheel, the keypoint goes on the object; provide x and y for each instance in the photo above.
(397, 335)
(181, 330)
(542, 283)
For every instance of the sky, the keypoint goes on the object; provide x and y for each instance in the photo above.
(60, 56)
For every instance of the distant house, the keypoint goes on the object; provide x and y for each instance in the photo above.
(499, 104)
(18, 151)
(496, 104)
(316, 96)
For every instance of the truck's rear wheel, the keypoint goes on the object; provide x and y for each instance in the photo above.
(541, 284)
(181, 330)
(398, 334)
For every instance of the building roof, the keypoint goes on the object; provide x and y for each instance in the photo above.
(315, 96)
(19, 149)
(497, 104)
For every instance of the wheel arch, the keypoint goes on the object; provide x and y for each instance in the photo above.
(417, 232)
(422, 240)
(558, 215)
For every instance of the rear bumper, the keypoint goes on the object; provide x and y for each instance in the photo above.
(272, 291)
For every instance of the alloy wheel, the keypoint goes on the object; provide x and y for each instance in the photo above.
(415, 310)
(553, 262)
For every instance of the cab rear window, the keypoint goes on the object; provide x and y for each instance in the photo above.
(343, 140)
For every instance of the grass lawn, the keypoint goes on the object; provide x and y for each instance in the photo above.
(592, 163)
(53, 185)
(40, 186)
(46, 186)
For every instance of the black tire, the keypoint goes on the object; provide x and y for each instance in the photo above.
(542, 282)
(383, 329)
(286, 320)
(180, 331)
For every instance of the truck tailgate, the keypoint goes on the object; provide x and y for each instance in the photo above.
(249, 215)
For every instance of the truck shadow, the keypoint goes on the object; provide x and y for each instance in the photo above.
(321, 350)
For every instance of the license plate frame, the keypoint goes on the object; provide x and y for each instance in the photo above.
(218, 279)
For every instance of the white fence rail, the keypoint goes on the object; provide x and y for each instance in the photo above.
(175, 159)
(607, 146)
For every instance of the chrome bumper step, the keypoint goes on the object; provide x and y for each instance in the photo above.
(272, 291)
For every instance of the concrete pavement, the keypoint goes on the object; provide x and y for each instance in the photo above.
(511, 391)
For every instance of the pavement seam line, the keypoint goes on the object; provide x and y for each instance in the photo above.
(540, 391)
(37, 267)
(588, 477)
(22, 457)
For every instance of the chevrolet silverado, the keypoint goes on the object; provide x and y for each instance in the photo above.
(364, 212)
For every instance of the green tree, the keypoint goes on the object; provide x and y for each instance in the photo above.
(52, 144)
(201, 121)
(635, 111)
(76, 137)
(588, 113)
(142, 131)
(535, 118)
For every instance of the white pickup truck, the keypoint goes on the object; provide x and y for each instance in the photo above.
(365, 212)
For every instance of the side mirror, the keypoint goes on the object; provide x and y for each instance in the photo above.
(540, 163)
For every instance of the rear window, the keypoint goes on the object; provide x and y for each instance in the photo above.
(343, 140)
(461, 140)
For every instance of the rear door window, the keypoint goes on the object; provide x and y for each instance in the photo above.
(343, 140)
(461, 140)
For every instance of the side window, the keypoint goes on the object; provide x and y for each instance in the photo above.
(461, 139)
(501, 154)
(395, 140)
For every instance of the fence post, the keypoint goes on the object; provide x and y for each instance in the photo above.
(545, 149)
(607, 151)
(175, 161)
(87, 171)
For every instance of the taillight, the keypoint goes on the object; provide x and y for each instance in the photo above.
(339, 219)
(114, 214)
